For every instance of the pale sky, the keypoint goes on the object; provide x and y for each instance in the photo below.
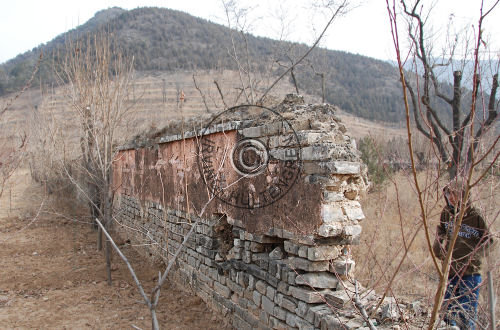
(24, 24)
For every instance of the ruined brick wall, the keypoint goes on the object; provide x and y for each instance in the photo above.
(284, 265)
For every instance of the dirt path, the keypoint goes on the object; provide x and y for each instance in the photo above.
(51, 275)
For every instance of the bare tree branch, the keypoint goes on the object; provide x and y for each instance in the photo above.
(201, 93)
(340, 8)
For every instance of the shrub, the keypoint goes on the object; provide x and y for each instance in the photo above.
(373, 155)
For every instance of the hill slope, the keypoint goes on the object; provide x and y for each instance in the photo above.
(168, 40)
(171, 41)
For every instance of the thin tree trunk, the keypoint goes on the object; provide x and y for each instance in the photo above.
(99, 239)
(108, 224)
(154, 320)
(323, 98)
(108, 262)
(292, 73)
(492, 299)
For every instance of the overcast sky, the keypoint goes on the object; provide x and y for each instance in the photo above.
(24, 24)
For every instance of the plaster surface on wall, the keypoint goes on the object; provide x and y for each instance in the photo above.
(285, 265)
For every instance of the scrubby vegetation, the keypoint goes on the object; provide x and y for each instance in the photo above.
(373, 157)
(168, 40)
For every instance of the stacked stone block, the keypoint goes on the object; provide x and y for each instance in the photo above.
(274, 278)
(263, 282)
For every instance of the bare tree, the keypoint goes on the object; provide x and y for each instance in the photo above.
(98, 86)
(461, 153)
(425, 92)
(10, 153)
(153, 299)
(334, 10)
(284, 61)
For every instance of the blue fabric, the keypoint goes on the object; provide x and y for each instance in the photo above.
(461, 298)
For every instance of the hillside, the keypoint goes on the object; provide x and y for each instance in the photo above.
(168, 40)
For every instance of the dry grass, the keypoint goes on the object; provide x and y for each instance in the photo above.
(149, 110)
(52, 276)
(392, 212)
(393, 216)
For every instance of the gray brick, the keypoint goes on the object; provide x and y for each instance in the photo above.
(239, 323)
(276, 324)
(257, 298)
(260, 256)
(261, 287)
(309, 316)
(303, 251)
(242, 279)
(267, 305)
(251, 282)
(323, 252)
(264, 317)
(332, 213)
(278, 299)
(342, 266)
(263, 264)
(237, 253)
(307, 265)
(353, 232)
(303, 325)
(280, 313)
(209, 262)
(338, 299)
(270, 292)
(242, 302)
(309, 296)
(291, 319)
(222, 290)
(284, 272)
(329, 167)
(273, 269)
(301, 309)
(291, 247)
(222, 279)
(272, 280)
(233, 274)
(257, 247)
(322, 280)
(276, 254)
(234, 287)
(247, 257)
(333, 322)
(252, 132)
(205, 279)
(254, 309)
(319, 312)
(212, 272)
(332, 196)
(206, 252)
(353, 211)
(248, 294)
(288, 304)
(305, 138)
(283, 287)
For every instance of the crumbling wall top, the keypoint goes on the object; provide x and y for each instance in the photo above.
(306, 187)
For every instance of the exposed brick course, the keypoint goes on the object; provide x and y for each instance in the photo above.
(249, 272)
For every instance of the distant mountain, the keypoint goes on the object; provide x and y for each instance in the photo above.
(168, 40)
(445, 73)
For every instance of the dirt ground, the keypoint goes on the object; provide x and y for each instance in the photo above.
(52, 276)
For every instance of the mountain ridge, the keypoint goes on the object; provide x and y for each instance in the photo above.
(168, 40)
